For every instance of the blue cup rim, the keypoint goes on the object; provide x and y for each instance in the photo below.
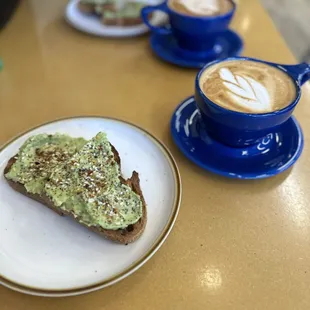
(256, 115)
(222, 16)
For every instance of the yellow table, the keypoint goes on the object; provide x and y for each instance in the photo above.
(235, 245)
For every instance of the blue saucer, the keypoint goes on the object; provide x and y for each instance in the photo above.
(165, 47)
(275, 153)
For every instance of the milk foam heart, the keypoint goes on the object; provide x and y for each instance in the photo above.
(248, 86)
(245, 91)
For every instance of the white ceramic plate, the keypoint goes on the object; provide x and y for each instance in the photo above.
(42, 253)
(92, 24)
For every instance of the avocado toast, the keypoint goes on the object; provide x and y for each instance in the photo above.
(87, 185)
(114, 12)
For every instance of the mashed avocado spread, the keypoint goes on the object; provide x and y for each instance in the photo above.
(38, 157)
(78, 176)
(89, 185)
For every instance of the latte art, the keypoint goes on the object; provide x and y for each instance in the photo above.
(245, 91)
(201, 7)
(248, 86)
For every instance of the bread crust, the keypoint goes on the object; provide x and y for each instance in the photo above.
(123, 236)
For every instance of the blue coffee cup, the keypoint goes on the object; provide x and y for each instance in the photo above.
(192, 33)
(239, 129)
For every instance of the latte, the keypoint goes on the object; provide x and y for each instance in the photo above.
(201, 8)
(247, 86)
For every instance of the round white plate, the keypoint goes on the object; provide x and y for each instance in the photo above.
(42, 253)
(93, 25)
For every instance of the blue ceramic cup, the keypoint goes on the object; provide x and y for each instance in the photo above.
(198, 34)
(239, 129)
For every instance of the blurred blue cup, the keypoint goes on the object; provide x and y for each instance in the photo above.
(193, 33)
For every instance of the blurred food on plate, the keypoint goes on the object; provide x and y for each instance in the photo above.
(114, 12)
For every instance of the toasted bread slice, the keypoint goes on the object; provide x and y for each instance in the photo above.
(123, 236)
(126, 15)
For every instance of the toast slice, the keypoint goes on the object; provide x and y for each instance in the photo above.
(127, 14)
(122, 235)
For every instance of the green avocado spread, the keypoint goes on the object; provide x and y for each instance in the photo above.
(38, 157)
(128, 10)
(89, 185)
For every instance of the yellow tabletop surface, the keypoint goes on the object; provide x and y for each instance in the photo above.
(236, 244)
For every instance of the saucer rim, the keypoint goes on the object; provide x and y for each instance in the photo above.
(190, 63)
(243, 176)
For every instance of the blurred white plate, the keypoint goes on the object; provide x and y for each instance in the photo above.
(93, 25)
(42, 253)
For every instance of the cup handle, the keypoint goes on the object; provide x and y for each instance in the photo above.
(145, 17)
(300, 72)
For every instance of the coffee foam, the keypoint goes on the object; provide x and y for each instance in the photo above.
(201, 7)
(247, 86)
